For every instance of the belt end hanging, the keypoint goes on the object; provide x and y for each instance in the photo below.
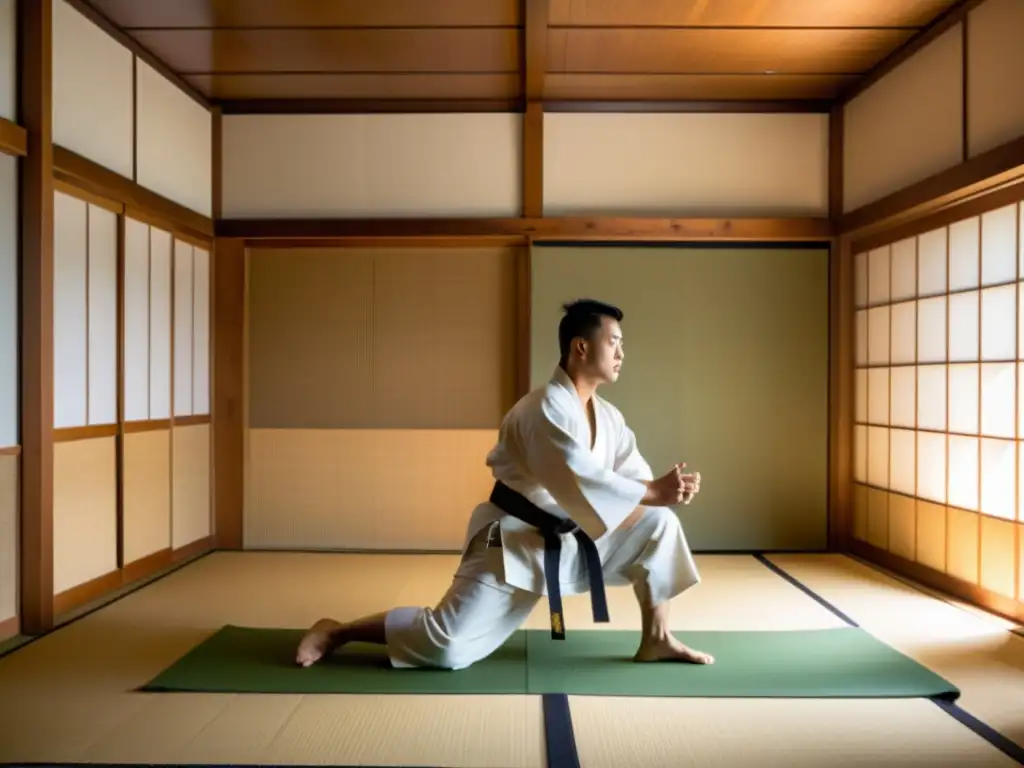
(557, 626)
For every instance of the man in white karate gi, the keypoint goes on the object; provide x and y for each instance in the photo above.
(565, 460)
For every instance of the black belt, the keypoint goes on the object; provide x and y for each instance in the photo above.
(518, 506)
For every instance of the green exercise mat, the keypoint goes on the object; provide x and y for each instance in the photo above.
(826, 663)
(823, 663)
(249, 660)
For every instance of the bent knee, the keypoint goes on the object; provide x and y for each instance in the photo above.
(662, 519)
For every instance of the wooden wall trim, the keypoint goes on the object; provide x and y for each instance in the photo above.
(217, 166)
(943, 582)
(973, 206)
(983, 173)
(35, 180)
(194, 549)
(90, 197)
(229, 286)
(191, 421)
(91, 432)
(100, 20)
(81, 172)
(533, 160)
(836, 151)
(741, 106)
(10, 628)
(95, 589)
(13, 138)
(841, 380)
(10, 450)
(546, 228)
(314, 106)
(452, 241)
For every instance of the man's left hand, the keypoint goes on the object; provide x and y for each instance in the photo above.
(694, 490)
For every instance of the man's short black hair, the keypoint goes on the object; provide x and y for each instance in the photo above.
(582, 319)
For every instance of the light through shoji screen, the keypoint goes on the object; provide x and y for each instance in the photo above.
(939, 404)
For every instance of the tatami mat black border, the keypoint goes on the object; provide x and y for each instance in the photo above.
(559, 735)
(979, 727)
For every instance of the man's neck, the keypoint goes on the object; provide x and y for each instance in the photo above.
(585, 386)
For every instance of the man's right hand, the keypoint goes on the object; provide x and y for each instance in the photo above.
(671, 488)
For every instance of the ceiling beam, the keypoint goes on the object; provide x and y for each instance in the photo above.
(822, 106)
(540, 228)
(534, 66)
(364, 106)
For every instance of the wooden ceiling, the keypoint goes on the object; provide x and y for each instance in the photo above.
(444, 52)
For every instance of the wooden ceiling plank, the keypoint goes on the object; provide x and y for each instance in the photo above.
(669, 51)
(737, 13)
(335, 50)
(171, 14)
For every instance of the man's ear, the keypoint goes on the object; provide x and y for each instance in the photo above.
(581, 347)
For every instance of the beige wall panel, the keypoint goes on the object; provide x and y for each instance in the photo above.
(147, 494)
(902, 525)
(878, 518)
(726, 368)
(962, 544)
(998, 551)
(907, 126)
(386, 338)
(190, 477)
(92, 91)
(995, 71)
(175, 142)
(9, 534)
(686, 164)
(10, 334)
(444, 332)
(931, 535)
(364, 489)
(364, 166)
(84, 511)
(8, 59)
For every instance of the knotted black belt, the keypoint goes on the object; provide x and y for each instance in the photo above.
(518, 506)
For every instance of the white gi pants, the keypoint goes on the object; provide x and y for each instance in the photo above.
(479, 612)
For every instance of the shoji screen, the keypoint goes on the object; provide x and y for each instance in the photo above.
(166, 391)
(937, 436)
(85, 391)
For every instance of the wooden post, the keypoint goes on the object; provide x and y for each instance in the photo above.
(35, 45)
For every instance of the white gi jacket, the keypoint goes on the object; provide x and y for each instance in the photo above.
(544, 453)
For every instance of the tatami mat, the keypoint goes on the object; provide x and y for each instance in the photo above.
(69, 696)
(972, 650)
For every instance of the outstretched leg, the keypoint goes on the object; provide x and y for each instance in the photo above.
(327, 635)
(654, 556)
(475, 617)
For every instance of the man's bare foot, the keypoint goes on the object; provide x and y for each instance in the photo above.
(322, 638)
(668, 648)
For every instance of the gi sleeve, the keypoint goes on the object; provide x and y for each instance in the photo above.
(594, 497)
(628, 460)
